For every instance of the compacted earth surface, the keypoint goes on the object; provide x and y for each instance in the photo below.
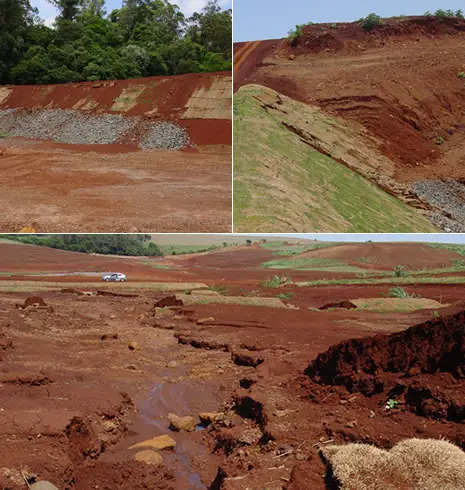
(124, 156)
(246, 372)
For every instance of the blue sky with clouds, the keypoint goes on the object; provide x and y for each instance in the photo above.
(271, 19)
(377, 237)
(48, 12)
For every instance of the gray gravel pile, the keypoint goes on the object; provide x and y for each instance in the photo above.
(7, 119)
(40, 125)
(75, 127)
(448, 196)
(165, 136)
(101, 129)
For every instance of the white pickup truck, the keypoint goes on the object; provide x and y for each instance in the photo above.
(115, 276)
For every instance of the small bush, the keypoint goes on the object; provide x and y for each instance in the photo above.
(398, 292)
(399, 271)
(286, 296)
(461, 74)
(445, 13)
(371, 21)
(440, 140)
(3, 135)
(275, 282)
(298, 32)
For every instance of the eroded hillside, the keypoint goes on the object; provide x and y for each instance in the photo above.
(399, 84)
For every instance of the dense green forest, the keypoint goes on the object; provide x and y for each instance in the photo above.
(134, 245)
(142, 38)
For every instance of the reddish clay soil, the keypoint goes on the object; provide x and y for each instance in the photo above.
(75, 397)
(69, 188)
(399, 81)
(167, 95)
(386, 256)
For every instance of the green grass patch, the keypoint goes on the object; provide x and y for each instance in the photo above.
(314, 264)
(384, 280)
(286, 296)
(283, 185)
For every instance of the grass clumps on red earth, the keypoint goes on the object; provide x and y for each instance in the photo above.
(428, 464)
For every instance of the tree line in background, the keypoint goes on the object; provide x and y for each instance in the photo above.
(142, 38)
(133, 245)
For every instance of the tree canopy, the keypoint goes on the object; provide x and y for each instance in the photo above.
(112, 244)
(142, 38)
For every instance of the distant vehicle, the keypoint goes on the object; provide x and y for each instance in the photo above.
(115, 276)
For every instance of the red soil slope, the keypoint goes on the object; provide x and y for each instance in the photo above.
(400, 81)
(387, 255)
(163, 98)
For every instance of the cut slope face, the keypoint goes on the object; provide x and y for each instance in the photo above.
(199, 103)
(400, 83)
(285, 180)
(423, 367)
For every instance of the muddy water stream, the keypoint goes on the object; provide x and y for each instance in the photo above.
(181, 396)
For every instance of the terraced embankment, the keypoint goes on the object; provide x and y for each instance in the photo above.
(398, 86)
(70, 155)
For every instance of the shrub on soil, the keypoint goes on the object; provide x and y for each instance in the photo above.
(371, 21)
(429, 464)
(398, 292)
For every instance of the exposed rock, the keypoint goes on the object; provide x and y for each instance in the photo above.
(181, 423)
(209, 417)
(160, 442)
(149, 456)
(250, 436)
(133, 345)
(43, 485)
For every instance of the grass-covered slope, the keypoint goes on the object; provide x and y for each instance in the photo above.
(282, 184)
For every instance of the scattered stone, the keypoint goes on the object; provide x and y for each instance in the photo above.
(372, 414)
(209, 417)
(149, 456)
(181, 423)
(43, 485)
(133, 345)
(109, 426)
(109, 336)
(172, 364)
(160, 442)
(205, 321)
(250, 436)
(113, 316)
(352, 424)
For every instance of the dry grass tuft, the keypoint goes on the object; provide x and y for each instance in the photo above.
(413, 464)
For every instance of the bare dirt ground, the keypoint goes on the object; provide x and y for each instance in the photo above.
(57, 187)
(76, 393)
(390, 81)
(70, 188)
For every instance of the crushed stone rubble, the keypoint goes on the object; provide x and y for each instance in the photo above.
(75, 127)
(448, 196)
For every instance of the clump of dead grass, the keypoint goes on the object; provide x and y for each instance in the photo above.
(416, 464)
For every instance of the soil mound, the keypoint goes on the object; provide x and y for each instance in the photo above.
(431, 347)
(346, 305)
(422, 367)
(353, 37)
